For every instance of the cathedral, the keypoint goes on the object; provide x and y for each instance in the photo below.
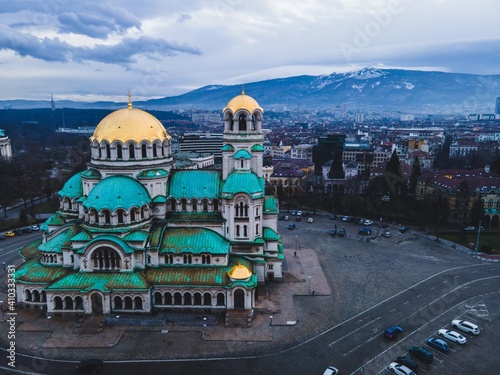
(134, 234)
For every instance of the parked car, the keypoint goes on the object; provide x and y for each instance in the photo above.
(399, 369)
(365, 231)
(438, 344)
(9, 234)
(408, 362)
(341, 232)
(421, 353)
(293, 212)
(465, 326)
(298, 218)
(452, 336)
(367, 222)
(34, 228)
(393, 332)
(281, 217)
(286, 218)
(18, 231)
(387, 234)
(310, 220)
(27, 230)
(403, 229)
(330, 370)
(333, 217)
(299, 213)
(2, 237)
(291, 226)
(333, 232)
(470, 228)
(90, 366)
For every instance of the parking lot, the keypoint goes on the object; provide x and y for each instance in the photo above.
(366, 269)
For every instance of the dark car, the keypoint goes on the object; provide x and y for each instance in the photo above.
(438, 344)
(333, 232)
(90, 366)
(2, 237)
(408, 362)
(403, 229)
(365, 231)
(281, 217)
(291, 226)
(27, 230)
(341, 232)
(298, 218)
(333, 217)
(393, 332)
(421, 354)
(18, 232)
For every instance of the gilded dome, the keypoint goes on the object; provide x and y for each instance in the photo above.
(239, 272)
(243, 102)
(129, 124)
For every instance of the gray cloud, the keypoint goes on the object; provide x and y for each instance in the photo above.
(122, 53)
(184, 18)
(98, 21)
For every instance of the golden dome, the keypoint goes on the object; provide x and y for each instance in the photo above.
(243, 102)
(239, 272)
(129, 124)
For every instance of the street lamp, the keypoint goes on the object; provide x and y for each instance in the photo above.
(309, 284)
(296, 243)
(271, 321)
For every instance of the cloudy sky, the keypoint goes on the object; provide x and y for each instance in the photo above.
(99, 50)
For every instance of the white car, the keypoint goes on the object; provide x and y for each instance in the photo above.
(452, 336)
(367, 222)
(34, 227)
(465, 326)
(400, 369)
(330, 370)
(299, 213)
(310, 220)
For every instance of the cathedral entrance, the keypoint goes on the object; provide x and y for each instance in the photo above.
(96, 300)
(239, 299)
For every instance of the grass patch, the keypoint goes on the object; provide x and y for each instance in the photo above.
(486, 240)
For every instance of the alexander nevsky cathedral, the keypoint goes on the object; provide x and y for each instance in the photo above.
(134, 234)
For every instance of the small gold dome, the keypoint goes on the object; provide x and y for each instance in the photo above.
(239, 272)
(129, 124)
(243, 102)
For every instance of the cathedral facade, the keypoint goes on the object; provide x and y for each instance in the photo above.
(135, 234)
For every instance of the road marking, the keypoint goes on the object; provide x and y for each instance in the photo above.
(444, 282)
(420, 295)
(351, 333)
(455, 276)
(407, 302)
(392, 310)
(433, 288)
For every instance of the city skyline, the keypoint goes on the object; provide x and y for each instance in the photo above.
(99, 51)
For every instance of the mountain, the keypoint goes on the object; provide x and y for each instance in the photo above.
(368, 89)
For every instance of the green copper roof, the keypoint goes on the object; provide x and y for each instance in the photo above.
(82, 236)
(242, 154)
(270, 234)
(55, 219)
(188, 276)
(152, 173)
(227, 147)
(54, 245)
(105, 282)
(160, 199)
(257, 147)
(34, 272)
(243, 182)
(73, 187)
(92, 174)
(110, 238)
(195, 184)
(31, 250)
(117, 192)
(194, 241)
(136, 236)
(270, 204)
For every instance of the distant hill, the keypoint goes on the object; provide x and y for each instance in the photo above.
(368, 89)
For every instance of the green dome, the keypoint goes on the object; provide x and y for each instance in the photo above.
(92, 174)
(117, 192)
(73, 187)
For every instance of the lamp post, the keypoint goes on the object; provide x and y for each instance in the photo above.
(296, 243)
(270, 326)
(478, 234)
(309, 284)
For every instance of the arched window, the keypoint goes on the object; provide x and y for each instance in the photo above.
(131, 152)
(183, 204)
(187, 299)
(58, 304)
(221, 301)
(128, 303)
(119, 154)
(108, 152)
(256, 211)
(168, 298)
(44, 296)
(106, 259)
(27, 295)
(188, 259)
(216, 205)
(133, 217)
(78, 303)
(69, 303)
(245, 231)
(177, 298)
(144, 152)
(158, 299)
(207, 299)
(36, 296)
(197, 299)
(205, 205)
(237, 231)
(119, 214)
(242, 122)
(118, 303)
(194, 205)
(138, 303)
(256, 229)
(205, 259)
(155, 150)
(173, 205)
(169, 258)
(107, 217)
